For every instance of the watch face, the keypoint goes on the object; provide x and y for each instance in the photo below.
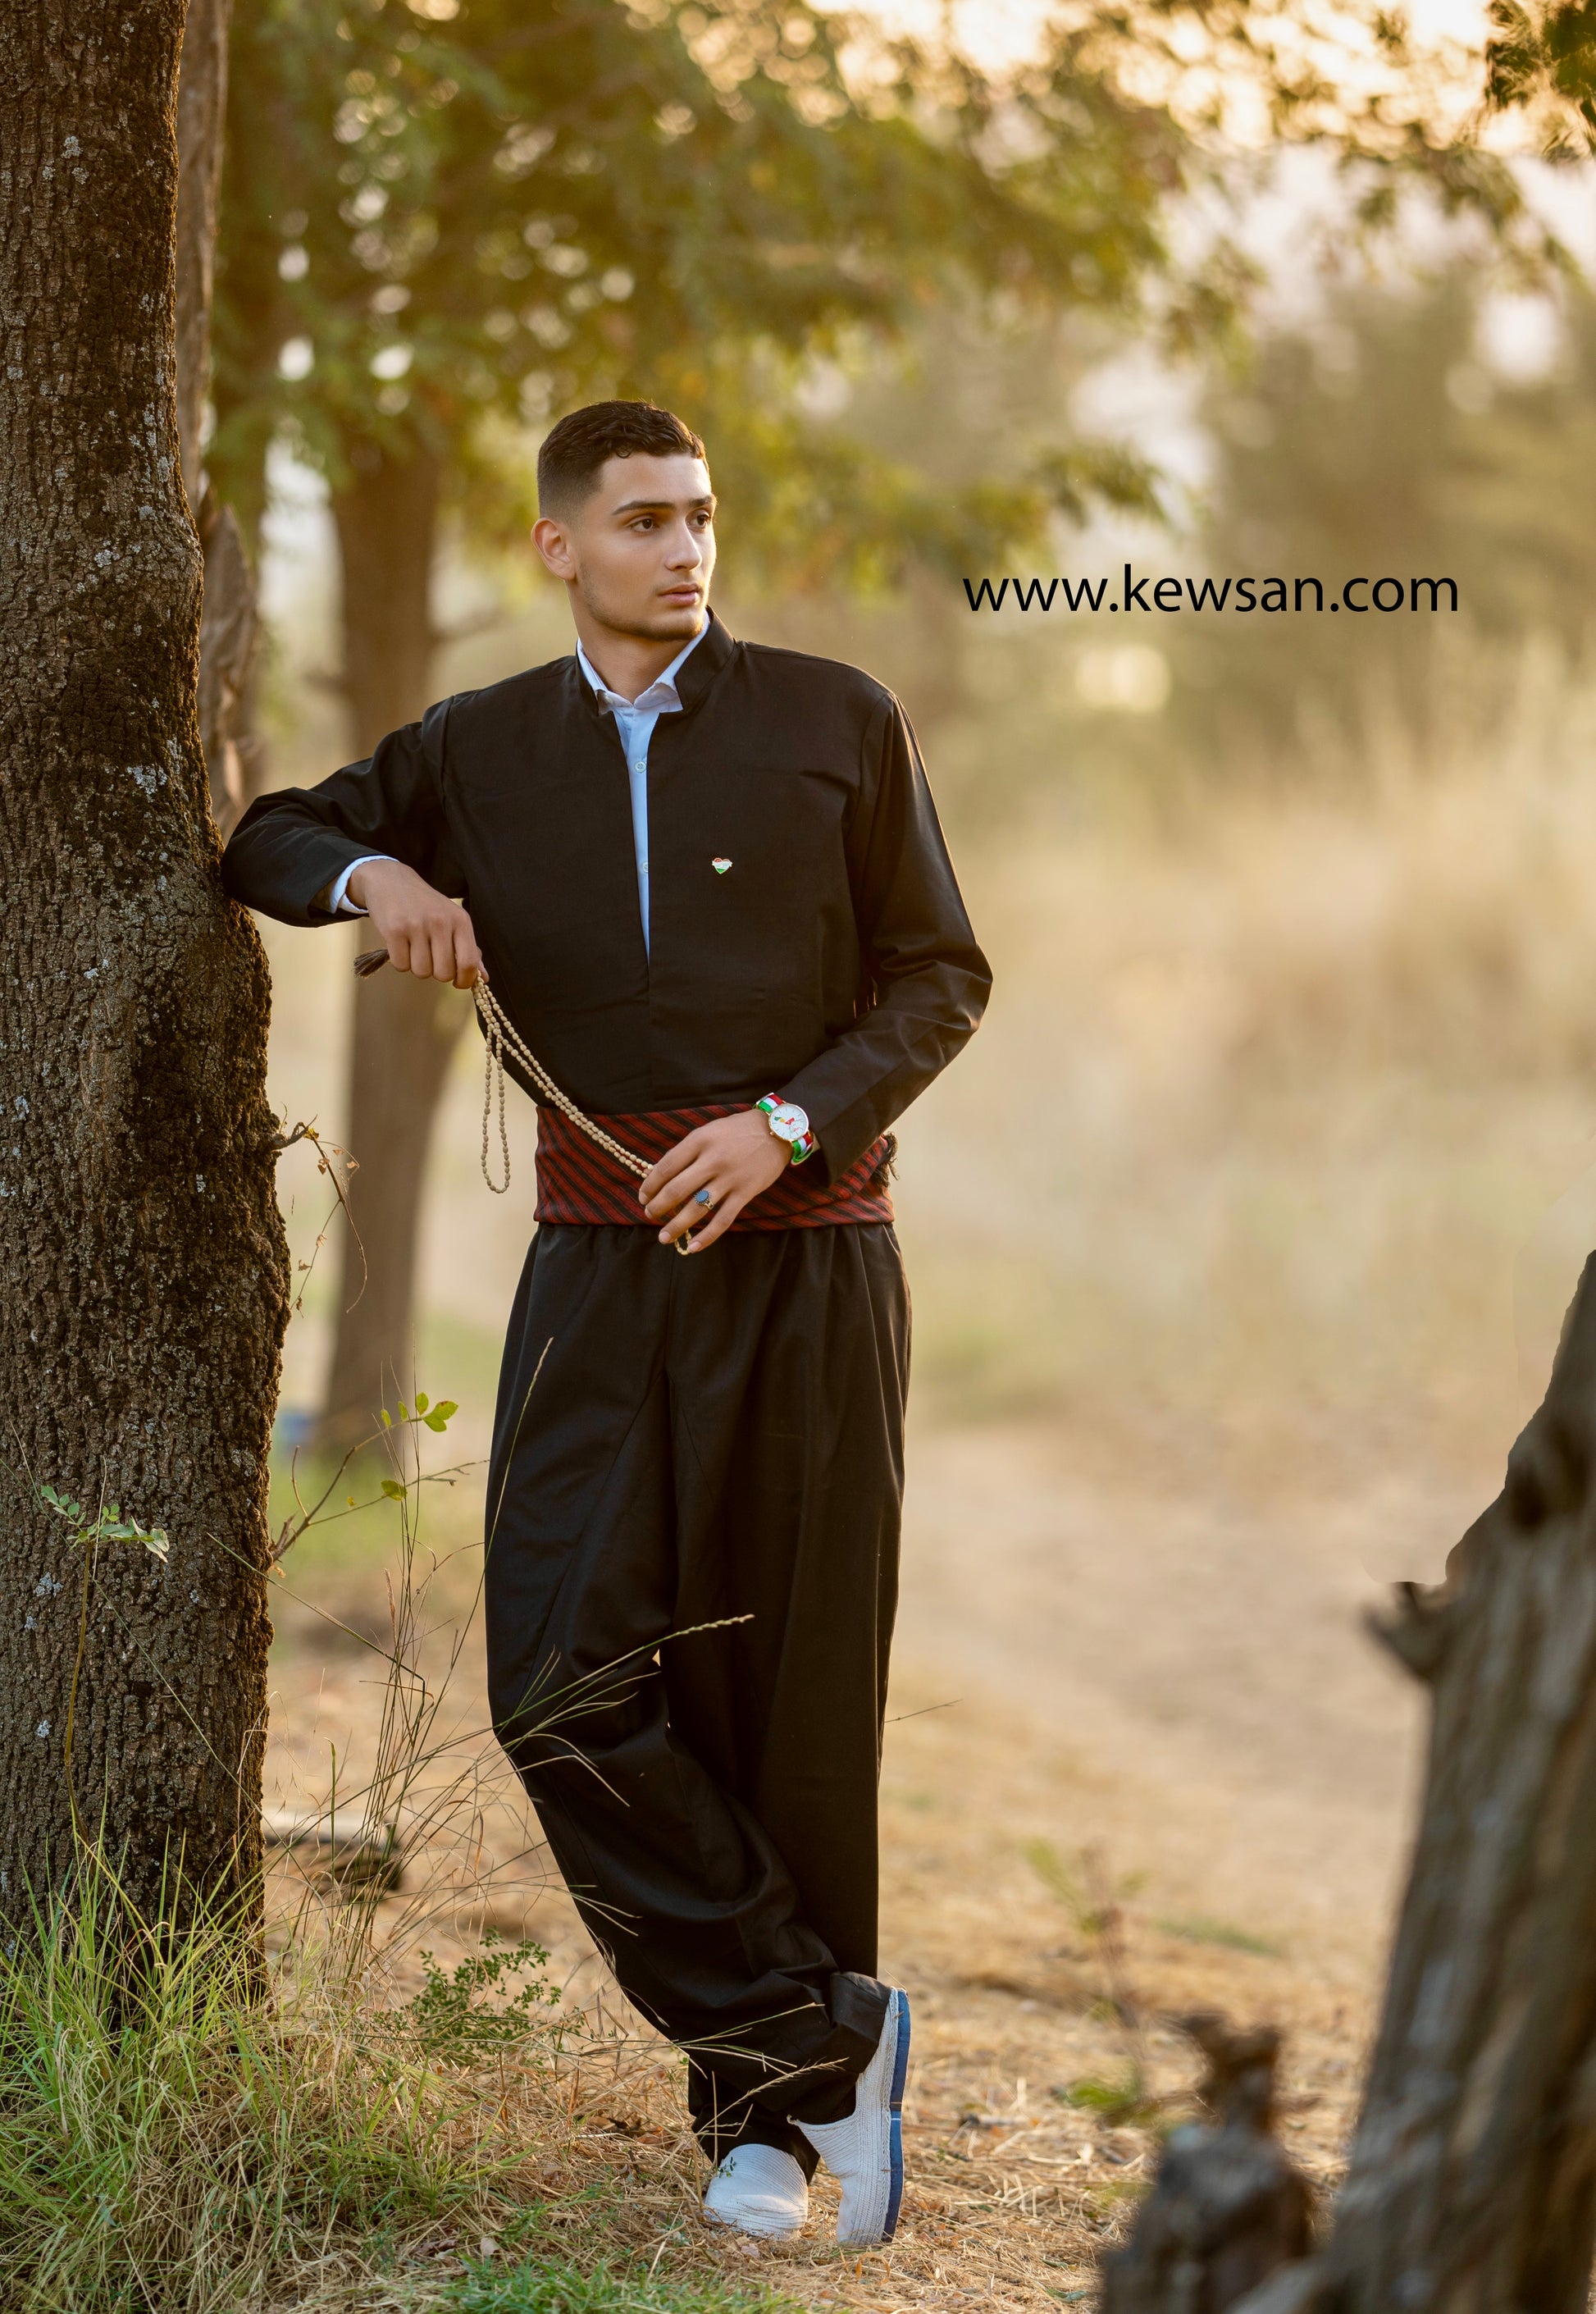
(788, 1120)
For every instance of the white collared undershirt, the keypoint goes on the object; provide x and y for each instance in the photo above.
(635, 719)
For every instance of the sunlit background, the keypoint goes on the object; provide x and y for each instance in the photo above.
(1240, 1237)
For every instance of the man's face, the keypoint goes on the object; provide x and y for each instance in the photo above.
(640, 551)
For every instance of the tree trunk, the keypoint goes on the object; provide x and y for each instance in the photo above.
(1472, 2183)
(405, 1030)
(1227, 2208)
(229, 633)
(201, 120)
(146, 1271)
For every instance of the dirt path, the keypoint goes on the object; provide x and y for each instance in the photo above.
(1109, 1688)
(1205, 1646)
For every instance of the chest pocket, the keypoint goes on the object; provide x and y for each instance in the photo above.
(751, 861)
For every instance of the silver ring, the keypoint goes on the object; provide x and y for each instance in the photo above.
(703, 1198)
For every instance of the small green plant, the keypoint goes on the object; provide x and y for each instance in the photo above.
(106, 1525)
(1083, 1888)
(451, 2016)
(1122, 2100)
(1096, 1903)
(532, 2288)
(1197, 1929)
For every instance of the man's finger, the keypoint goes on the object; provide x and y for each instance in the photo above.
(681, 1186)
(399, 950)
(670, 1165)
(697, 1220)
(468, 959)
(720, 1221)
(442, 951)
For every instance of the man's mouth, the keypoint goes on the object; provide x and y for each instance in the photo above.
(681, 593)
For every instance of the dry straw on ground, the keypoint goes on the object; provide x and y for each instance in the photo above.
(1228, 1236)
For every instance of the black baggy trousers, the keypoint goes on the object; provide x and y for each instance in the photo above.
(694, 1512)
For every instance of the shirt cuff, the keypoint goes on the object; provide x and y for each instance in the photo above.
(338, 902)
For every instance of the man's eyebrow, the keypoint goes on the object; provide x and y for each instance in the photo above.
(664, 506)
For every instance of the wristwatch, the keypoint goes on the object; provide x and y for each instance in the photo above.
(789, 1123)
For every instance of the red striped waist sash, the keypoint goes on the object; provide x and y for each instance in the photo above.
(578, 1181)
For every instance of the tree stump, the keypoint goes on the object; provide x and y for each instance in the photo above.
(1227, 2209)
(1472, 2183)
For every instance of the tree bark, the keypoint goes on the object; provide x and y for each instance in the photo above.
(1227, 2208)
(229, 633)
(146, 1270)
(1472, 2183)
(405, 1030)
(201, 122)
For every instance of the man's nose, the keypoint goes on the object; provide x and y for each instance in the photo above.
(685, 552)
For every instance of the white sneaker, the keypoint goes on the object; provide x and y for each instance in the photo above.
(865, 2152)
(759, 2190)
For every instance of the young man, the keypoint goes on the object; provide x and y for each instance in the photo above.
(707, 884)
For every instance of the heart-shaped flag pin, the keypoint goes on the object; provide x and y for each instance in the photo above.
(720, 866)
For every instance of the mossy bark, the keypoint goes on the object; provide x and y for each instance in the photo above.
(146, 1287)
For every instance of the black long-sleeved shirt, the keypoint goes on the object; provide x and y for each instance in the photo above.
(833, 962)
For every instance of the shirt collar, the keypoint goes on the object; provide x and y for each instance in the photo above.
(662, 694)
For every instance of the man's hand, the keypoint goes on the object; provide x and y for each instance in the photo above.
(735, 1158)
(423, 932)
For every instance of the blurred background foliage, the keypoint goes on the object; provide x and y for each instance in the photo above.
(1288, 1074)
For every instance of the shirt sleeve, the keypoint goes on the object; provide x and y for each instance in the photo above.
(925, 982)
(338, 902)
(290, 849)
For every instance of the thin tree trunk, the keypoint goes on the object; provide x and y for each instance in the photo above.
(201, 120)
(144, 1267)
(405, 1030)
(1472, 2183)
(229, 633)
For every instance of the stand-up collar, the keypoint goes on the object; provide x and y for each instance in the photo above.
(713, 649)
(661, 697)
(709, 652)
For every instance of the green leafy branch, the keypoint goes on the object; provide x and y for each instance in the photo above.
(473, 2009)
(106, 1525)
(426, 1414)
(435, 1418)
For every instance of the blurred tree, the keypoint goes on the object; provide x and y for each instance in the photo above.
(230, 625)
(443, 223)
(1541, 63)
(447, 220)
(1381, 441)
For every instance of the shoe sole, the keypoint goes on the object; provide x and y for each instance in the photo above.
(754, 2233)
(900, 2072)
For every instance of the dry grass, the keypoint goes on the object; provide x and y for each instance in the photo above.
(1239, 1240)
(1282, 1114)
(1034, 2109)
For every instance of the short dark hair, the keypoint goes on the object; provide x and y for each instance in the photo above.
(574, 453)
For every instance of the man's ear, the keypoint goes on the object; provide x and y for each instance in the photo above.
(552, 542)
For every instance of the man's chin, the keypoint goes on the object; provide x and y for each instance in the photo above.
(683, 619)
(662, 623)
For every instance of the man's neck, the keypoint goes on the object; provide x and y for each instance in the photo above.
(629, 664)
